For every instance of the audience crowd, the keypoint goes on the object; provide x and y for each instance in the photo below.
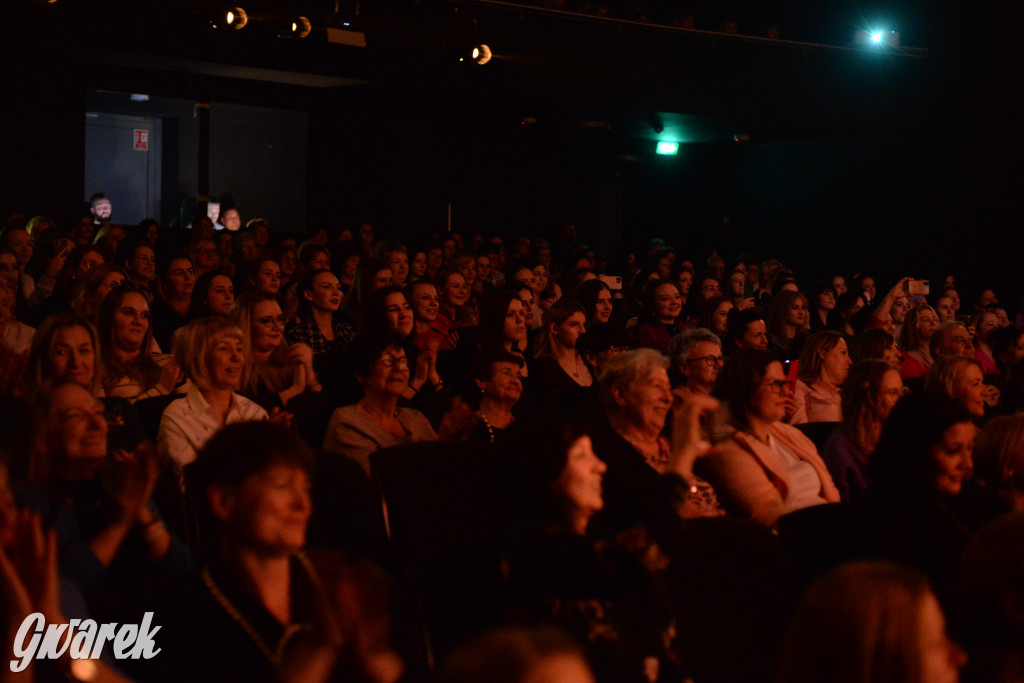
(471, 458)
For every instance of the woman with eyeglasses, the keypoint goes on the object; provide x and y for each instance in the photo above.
(767, 468)
(376, 421)
(139, 259)
(697, 357)
(274, 372)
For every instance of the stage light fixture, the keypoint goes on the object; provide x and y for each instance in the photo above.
(481, 54)
(301, 27)
(235, 18)
(876, 37)
(668, 148)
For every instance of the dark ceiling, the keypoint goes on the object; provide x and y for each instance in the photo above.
(559, 69)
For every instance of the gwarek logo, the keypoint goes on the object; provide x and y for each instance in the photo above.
(82, 639)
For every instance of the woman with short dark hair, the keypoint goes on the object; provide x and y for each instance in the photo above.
(767, 468)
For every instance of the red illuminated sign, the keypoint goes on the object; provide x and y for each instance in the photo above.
(141, 139)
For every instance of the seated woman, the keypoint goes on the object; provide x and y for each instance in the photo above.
(787, 317)
(822, 296)
(96, 285)
(1008, 347)
(747, 330)
(377, 421)
(428, 331)
(65, 348)
(558, 570)
(209, 350)
(848, 307)
(697, 356)
(502, 321)
(132, 366)
(261, 609)
(110, 535)
(596, 299)
(497, 373)
(346, 258)
(266, 277)
(370, 276)
(274, 372)
(715, 315)
(319, 328)
(662, 307)
(15, 335)
(638, 398)
(875, 344)
(388, 313)
(985, 323)
(767, 468)
(961, 379)
(213, 295)
(917, 474)
(824, 363)
(915, 341)
(874, 622)
(870, 392)
(999, 466)
(454, 296)
(559, 370)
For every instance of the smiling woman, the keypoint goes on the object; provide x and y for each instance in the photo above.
(210, 353)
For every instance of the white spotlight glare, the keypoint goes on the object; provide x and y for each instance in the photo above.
(876, 37)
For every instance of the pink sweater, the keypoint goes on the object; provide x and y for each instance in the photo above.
(751, 476)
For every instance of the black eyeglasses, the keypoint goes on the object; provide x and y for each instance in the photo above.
(270, 320)
(389, 360)
(776, 386)
(710, 361)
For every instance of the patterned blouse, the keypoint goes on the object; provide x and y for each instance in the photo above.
(308, 332)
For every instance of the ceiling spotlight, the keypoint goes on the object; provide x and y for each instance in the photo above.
(876, 37)
(301, 27)
(481, 54)
(295, 27)
(235, 18)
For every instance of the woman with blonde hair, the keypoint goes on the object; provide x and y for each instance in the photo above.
(210, 353)
(824, 364)
(961, 378)
(274, 372)
(915, 341)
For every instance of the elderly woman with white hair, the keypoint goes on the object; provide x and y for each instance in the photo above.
(637, 396)
(697, 355)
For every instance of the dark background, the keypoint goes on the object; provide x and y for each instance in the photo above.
(899, 162)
